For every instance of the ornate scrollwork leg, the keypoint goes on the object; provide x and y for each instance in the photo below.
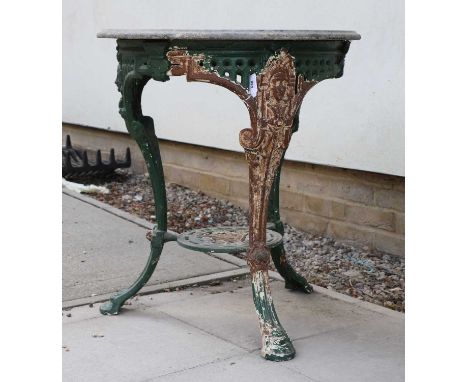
(280, 94)
(292, 279)
(141, 128)
(272, 111)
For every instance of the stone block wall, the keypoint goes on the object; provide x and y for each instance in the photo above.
(348, 205)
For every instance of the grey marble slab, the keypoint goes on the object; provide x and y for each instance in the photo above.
(252, 35)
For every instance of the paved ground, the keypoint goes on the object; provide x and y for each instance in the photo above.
(103, 253)
(208, 333)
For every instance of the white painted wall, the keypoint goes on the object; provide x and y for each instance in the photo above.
(356, 121)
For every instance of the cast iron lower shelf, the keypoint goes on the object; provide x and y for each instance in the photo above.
(223, 239)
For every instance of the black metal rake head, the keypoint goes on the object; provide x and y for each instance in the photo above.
(75, 162)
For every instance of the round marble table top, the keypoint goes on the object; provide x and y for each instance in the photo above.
(251, 35)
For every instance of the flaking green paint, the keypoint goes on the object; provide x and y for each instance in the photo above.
(276, 345)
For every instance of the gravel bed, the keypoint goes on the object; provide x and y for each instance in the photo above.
(357, 271)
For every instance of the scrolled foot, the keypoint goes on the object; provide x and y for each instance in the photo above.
(293, 280)
(277, 346)
(303, 286)
(115, 303)
(112, 307)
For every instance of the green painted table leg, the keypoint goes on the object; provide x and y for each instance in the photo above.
(292, 279)
(116, 301)
(141, 128)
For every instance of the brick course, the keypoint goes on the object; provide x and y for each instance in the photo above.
(350, 205)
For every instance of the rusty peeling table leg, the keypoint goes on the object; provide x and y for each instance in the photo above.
(280, 93)
(272, 110)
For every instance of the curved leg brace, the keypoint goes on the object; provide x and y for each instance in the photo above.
(141, 128)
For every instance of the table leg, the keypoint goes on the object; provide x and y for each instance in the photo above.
(279, 96)
(141, 128)
(273, 115)
(292, 279)
(276, 345)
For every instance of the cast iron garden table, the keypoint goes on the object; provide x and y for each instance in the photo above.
(271, 72)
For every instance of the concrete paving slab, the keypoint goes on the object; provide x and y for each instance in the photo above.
(248, 367)
(103, 253)
(368, 352)
(138, 303)
(232, 315)
(136, 346)
(163, 287)
(107, 207)
(349, 343)
(207, 333)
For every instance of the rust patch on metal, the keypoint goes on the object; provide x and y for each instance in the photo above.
(149, 235)
(283, 260)
(280, 92)
(182, 63)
